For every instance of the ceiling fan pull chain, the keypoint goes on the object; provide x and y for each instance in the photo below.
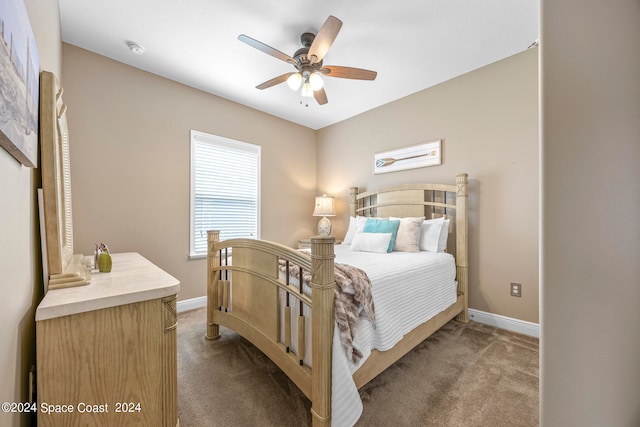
(306, 104)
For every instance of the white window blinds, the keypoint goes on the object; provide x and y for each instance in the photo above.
(225, 190)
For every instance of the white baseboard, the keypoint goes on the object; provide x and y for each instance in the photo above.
(191, 304)
(503, 322)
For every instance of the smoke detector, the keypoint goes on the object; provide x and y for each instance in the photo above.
(135, 48)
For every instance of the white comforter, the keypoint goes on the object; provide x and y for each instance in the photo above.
(408, 289)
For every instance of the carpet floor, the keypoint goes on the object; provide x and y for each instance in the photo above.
(463, 375)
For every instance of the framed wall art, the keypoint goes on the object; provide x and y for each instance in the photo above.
(19, 83)
(416, 156)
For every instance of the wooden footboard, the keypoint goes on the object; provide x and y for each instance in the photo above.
(249, 305)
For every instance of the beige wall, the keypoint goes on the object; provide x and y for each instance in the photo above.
(488, 122)
(590, 259)
(20, 262)
(129, 133)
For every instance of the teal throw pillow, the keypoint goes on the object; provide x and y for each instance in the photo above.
(383, 226)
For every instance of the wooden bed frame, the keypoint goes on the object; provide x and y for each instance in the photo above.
(249, 304)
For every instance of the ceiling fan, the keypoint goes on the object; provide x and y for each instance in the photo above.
(308, 62)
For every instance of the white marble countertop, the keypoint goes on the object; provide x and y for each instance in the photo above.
(132, 279)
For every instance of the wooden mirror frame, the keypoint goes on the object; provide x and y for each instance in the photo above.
(64, 268)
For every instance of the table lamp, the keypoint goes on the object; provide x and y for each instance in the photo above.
(325, 206)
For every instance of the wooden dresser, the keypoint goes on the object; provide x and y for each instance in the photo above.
(106, 352)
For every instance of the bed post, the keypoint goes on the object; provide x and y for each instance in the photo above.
(322, 284)
(353, 202)
(213, 260)
(462, 247)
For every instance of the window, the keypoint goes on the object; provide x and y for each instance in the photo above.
(225, 190)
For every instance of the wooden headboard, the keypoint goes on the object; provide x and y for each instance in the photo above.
(64, 268)
(429, 201)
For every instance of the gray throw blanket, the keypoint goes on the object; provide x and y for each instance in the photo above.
(352, 300)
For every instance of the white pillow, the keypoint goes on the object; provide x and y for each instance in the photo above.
(430, 234)
(371, 242)
(356, 224)
(408, 237)
(444, 235)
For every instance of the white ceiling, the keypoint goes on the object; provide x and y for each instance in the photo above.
(412, 44)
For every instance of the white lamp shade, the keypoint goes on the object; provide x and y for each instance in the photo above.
(316, 82)
(294, 81)
(306, 90)
(325, 206)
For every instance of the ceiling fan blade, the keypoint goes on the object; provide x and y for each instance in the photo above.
(274, 81)
(348, 72)
(324, 39)
(321, 96)
(266, 49)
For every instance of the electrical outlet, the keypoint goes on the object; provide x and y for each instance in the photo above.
(516, 289)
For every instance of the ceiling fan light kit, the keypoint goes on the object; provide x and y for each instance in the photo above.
(308, 62)
(295, 81)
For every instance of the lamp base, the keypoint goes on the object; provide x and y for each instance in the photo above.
(324, 226)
